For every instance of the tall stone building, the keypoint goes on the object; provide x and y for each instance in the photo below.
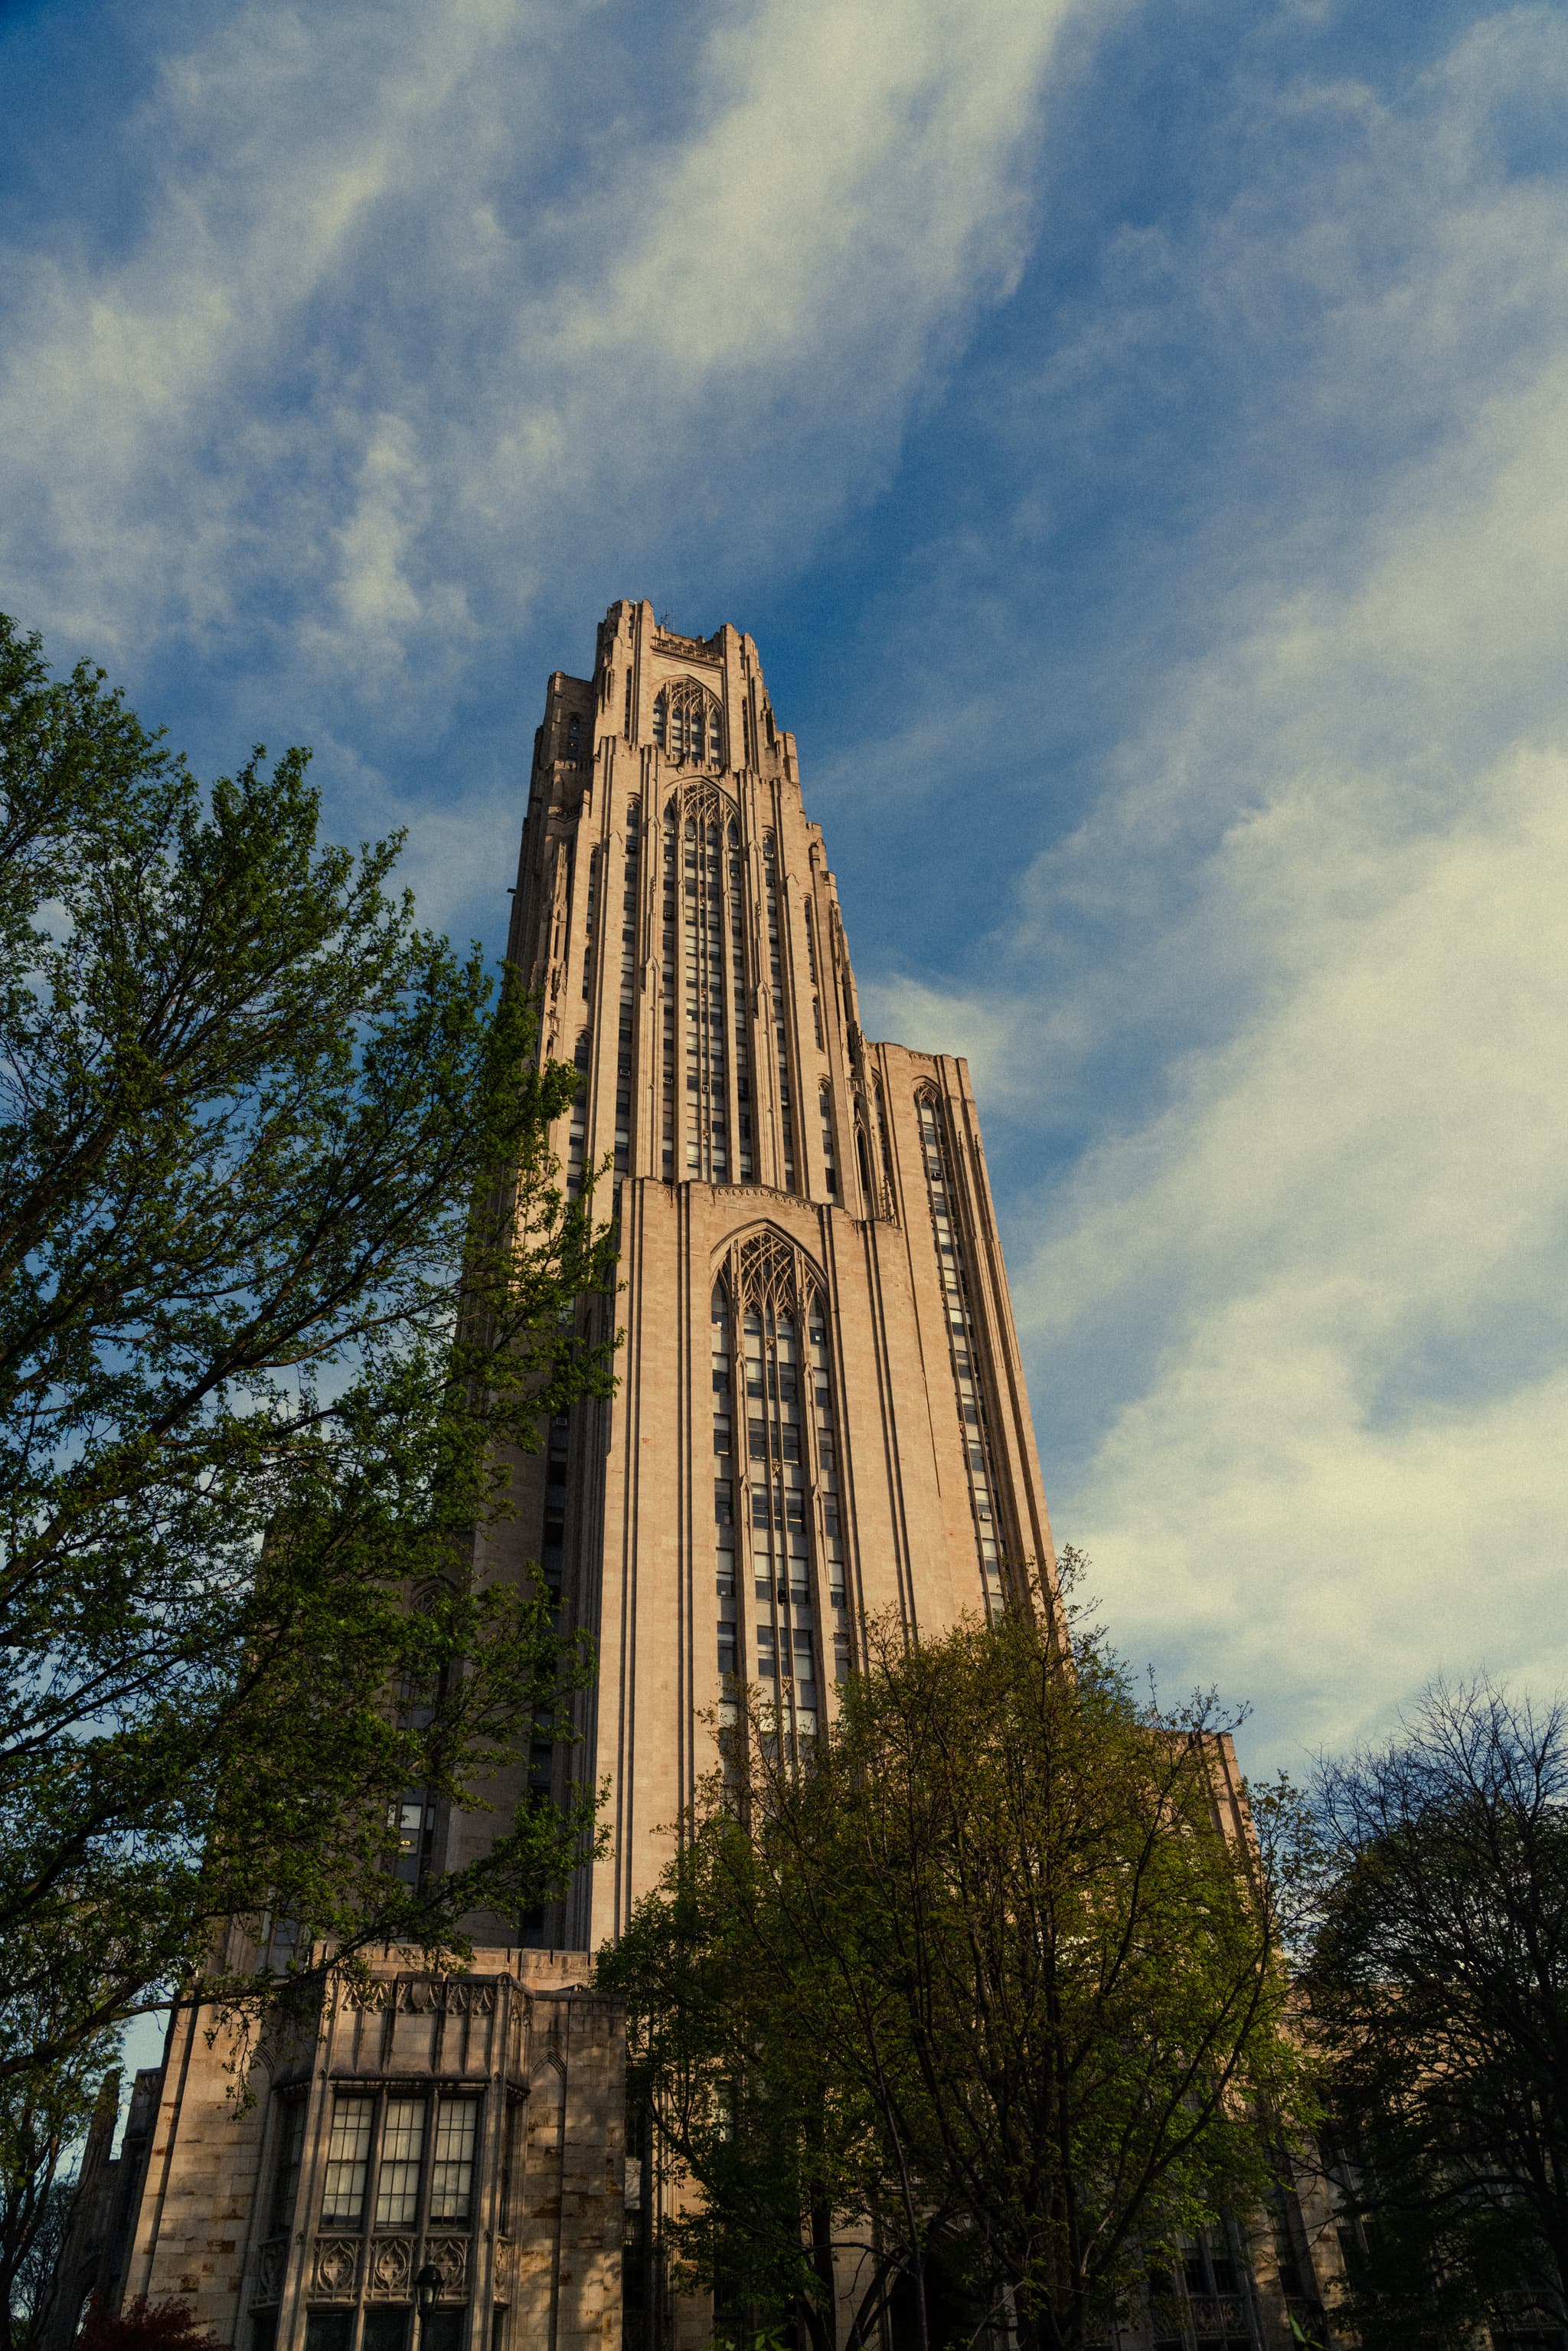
(821, 1418)
(821, 1413)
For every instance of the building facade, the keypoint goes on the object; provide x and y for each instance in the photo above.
(821, 1421)
(821, 1415)
(471, 2122)
(821, 1418)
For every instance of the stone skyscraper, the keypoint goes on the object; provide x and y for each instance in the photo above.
(821, 1418)
(821, 1413)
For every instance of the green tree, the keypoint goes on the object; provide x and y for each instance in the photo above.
(1438, 1981)
(285, 1285)
(42, 2121)
(979, 1992)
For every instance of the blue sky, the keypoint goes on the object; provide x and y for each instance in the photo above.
(1135, 435)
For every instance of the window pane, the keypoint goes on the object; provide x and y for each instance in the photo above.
(348, 2156)
(386, 2330)
(286, 2181)
(397, 2182)
(444, 2330)
(452, 2171)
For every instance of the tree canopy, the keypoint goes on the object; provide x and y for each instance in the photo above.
(1438, 1981)
(972, 2003)
(286, 1282)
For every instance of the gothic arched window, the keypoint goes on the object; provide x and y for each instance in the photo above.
(776, 998)
(968, 1381)
(776, 1486)
(688, 726)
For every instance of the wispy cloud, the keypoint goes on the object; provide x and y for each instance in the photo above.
(1298, 962)
(435, 306)
(1195, 690)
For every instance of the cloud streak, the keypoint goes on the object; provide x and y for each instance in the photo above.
(390, 351)
(1143, 434)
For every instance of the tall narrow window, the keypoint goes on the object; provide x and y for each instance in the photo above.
(286, 2178)
(827, 1443)
(397, 2180)
(776, 995)
(590, 923)
(573, 736)
(669, 876)
(707, 1120)
(347, 2159)
(724, 1484)
(886, 1205)
(968, 1380)
(781, 1551)
(631, 907)
(452, 2160)
(577, 1135)
(553, 1549)
(829, 1157)
(773, 1413)
(626, 728)
(735, 912)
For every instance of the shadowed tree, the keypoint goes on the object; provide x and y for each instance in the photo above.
(976, 1997)
(1439, 1977)
(42, 2123)
(285, 1284)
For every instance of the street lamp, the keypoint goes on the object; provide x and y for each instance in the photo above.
(426, 2286)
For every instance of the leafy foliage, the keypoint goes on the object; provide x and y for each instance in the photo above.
(265, 1368)
(144, 2326)
(41, 2124)
(976, 1993)
(1439, 1977)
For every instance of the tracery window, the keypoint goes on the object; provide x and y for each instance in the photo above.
(775, 1453)
(590, 923)
(686, 725)
(577, 1138)
(630, 900)
(776, 995)
(669, 871)
(420, 2173)
(707, 1073)
(701, 854)
(963, 1351)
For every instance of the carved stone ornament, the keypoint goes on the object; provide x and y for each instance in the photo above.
(335, 2273)
(391, 2269)
(470, 1998)
(269, 2264)
(418, 1995)
(450, 2255)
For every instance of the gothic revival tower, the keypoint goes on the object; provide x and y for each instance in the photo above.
(821, 1418)
(821, 1413)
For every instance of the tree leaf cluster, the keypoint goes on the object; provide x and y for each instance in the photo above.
(1437, 1976)
(971, 2006)
(287, 1284)
(42, 2121)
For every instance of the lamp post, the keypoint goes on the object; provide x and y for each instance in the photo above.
(426, 2286)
